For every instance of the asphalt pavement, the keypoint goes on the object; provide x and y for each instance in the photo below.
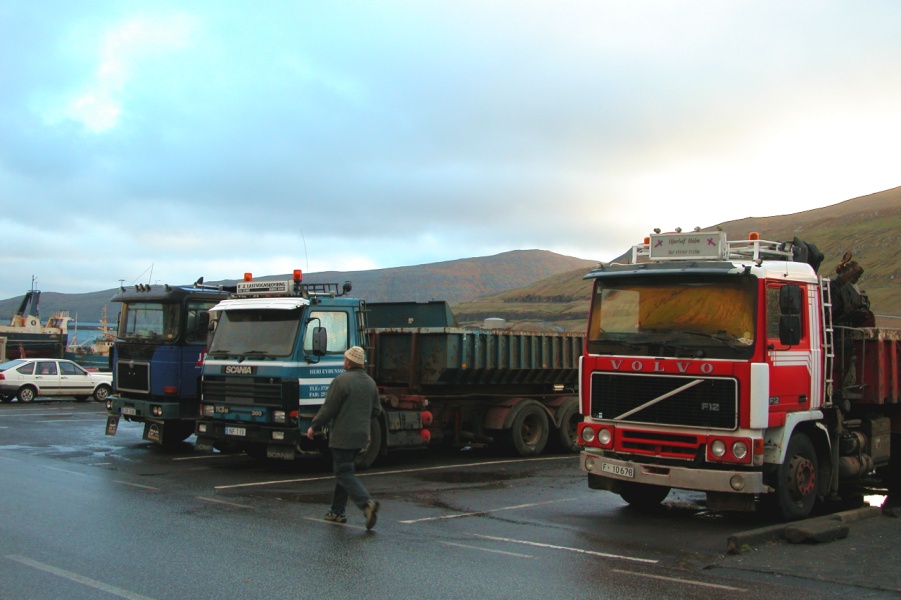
(858, 547)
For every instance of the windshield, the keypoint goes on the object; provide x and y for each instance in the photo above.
(149, 321)
(665, 316)
(256, 333)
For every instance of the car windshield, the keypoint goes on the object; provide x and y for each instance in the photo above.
(674, 316)
(257, 333)
(149, 321)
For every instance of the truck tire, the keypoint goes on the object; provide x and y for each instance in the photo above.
(565, 438)
(643, 496)
(368, 455)
(797, 482)
(175, 432)
(529, 430)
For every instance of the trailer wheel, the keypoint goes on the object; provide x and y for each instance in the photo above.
(643, 496)
(529, 429)
(366, 457)
(565, 438)
(797, 483)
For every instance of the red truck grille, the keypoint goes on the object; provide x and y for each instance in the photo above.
(658, 444)
(710, 403)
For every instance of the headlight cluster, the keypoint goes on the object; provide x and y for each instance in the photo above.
(599, 436)
(729, 450)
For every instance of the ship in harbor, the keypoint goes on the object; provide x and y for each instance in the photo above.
(93, 354)
(26, 337)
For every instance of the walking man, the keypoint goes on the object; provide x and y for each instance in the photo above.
(351, 401)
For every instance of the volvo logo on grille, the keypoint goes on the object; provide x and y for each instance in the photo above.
(238, 370)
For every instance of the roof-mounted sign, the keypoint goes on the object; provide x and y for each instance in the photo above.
(708, 245)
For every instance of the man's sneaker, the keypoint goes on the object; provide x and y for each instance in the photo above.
(372, 513)
(336, 517)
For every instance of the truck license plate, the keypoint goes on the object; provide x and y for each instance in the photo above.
(236, 431)
(127, 410)
(618, 470)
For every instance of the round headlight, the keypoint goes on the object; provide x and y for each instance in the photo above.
(587, 435)
(718, 448)
(739, 450)
(604, 437)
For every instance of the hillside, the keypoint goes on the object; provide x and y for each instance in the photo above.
(455, 281)
(867, 226)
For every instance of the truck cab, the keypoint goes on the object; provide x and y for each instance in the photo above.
(276, 348)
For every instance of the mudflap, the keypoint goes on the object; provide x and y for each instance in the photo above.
(112, 424)
(153, 432)
(280, 452)
(204, 444)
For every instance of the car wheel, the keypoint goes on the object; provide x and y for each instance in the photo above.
(26, 393)
(102, 392)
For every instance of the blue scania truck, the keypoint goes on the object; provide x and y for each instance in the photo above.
(278, 345)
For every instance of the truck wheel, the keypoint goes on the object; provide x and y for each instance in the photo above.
(797, 483)
(565, 436)
(255, 451)
(26, 394)
(367, 456)
(175, 432)
(529, 430)
(643, 496)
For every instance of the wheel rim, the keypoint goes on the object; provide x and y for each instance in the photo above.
(802, 476)
(530, 432)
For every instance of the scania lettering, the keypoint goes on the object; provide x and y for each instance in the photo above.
(274, 353)
(157, 357)
(736, 371)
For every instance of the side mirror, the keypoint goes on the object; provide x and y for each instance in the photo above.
(790, 330)
(320, 341)
(790, 299)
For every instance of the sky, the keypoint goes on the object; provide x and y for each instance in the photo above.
(157, 142)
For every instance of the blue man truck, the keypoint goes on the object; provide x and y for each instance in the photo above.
(157, 356)
(278, 345)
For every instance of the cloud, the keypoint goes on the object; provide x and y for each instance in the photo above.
(215, 138)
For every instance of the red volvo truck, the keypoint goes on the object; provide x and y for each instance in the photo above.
(733, 368)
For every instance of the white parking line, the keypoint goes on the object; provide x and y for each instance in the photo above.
(396, 472)
(204, 457)
(685, 581)
(514, 554)
(99, 585)
(64, 470)
(567, 548)
(223, 502)
(138, 485)
(485, 512)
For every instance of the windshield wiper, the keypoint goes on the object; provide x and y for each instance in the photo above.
(724, 341)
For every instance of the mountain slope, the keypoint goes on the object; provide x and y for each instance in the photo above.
(868, 226)
(455, 281)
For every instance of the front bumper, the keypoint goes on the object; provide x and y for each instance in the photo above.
(685, 478)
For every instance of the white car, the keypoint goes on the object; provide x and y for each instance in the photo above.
(30, 378)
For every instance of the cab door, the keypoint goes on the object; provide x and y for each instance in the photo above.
(793, 363)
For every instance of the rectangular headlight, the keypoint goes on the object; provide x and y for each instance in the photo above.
(278, 416)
